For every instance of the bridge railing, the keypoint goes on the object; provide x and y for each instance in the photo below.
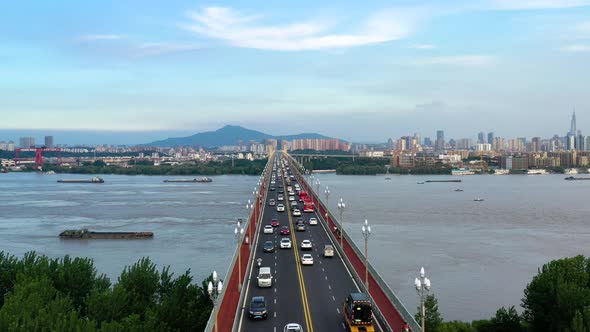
(354, 260)
(230, 299)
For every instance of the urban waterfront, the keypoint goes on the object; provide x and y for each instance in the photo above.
(479, 255)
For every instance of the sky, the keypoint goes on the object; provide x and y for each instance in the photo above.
(357, 70)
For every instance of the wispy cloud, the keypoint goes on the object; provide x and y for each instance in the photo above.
(155, 49)
(537, 4)
(422, 46)
(248, 31)
(576, 48)
(101, 37)
(456, 60)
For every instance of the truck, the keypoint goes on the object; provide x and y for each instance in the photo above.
(358, 313)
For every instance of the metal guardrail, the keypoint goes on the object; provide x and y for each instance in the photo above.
(398, 305)
(211, 322)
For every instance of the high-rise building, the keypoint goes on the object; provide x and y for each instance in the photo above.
(427, 141)
(481, 137)
(3, 145)
(573, 130)
(49, 141)
(491, 138)
(439, 145)
(27, 142)
(10, 146)
(390, 144)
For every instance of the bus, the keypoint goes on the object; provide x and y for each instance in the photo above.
(308, 205)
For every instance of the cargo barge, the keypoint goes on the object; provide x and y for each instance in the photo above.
(571, 178)
(95, 179)
(86, 234)
(204, 179)
(442, 181)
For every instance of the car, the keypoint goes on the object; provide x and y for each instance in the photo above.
(285, 230)
(280, 198)
(294, 206)
(274, 222)
(272, 182)
(296, 213)
(272, 202)
(257, 308)
(291, 198)
(313, 221)
(300, 227)
(280, 208)
(268, 246)
(268, 229)
(306, 245)
(285, 243)
(328, 251)
(281, 191)
(281, 186)
(293, 327)
(307, 259)
(272, 188)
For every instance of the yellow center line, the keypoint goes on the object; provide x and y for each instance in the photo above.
(305, 303)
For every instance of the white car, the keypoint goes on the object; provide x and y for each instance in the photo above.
(280, 198)
(293, 327)
(305, 245)
(313, 221)
(268, 229)
(296, 213)
(280, 208)
(291, 198)
(285, 243)
(307, 259)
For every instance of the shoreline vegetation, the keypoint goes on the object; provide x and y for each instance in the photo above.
(38, 293)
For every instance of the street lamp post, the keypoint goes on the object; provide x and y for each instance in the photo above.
(422, 287)
(366, 230)
(341, 207)
(250, 207)
(317, 183)
(238, 233)
(327, 192)
(255, 195)
(214, 289)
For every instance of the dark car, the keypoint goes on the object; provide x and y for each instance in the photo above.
(272, 188)
(294, 206)
(268, 246)
(274, 223)
(285, 230)
(258, 308)
(281, 191)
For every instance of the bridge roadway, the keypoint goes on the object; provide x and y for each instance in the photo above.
(312, 296)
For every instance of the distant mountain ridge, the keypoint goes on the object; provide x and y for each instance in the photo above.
(228, 135)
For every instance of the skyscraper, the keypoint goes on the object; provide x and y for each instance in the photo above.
(573, 125)
(49, 141)
(481, 137)
(440, 140)
(27, 142)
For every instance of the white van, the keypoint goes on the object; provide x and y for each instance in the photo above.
(328, 251)
(264, 277)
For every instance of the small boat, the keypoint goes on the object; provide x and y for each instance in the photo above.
(478, 199)
(571, 178)
(86, 234)
(203, 179)
(458, 190)
(388, 178)
(419, 182)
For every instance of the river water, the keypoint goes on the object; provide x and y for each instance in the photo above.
(479, 255)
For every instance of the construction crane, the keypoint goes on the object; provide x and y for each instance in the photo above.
(38, 154)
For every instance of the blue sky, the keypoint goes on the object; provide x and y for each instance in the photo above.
(357, 70)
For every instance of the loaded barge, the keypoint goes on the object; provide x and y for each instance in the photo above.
(86, 234)
(204, 179)
(571, 178)
(442, 181)
(95, 179)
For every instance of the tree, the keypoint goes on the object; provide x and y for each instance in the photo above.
(556, 293)
(432, 317)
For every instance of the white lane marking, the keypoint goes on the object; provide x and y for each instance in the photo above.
(323, 270)
(333, 298)
(275, 290)
(329, 287)
(275, 301)
(275, 314)
(338, 310)
(326, 277)
(343, 326)
(275, 329)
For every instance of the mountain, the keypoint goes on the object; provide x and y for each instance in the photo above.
(227, 135)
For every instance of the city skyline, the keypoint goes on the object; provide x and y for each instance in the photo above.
(358, 72)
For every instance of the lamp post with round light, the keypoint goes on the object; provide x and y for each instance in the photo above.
(214, 289)
(366, 230)
(422, 287)
(250, 207)
(341, 207)
(239, 233)
(327, 193)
